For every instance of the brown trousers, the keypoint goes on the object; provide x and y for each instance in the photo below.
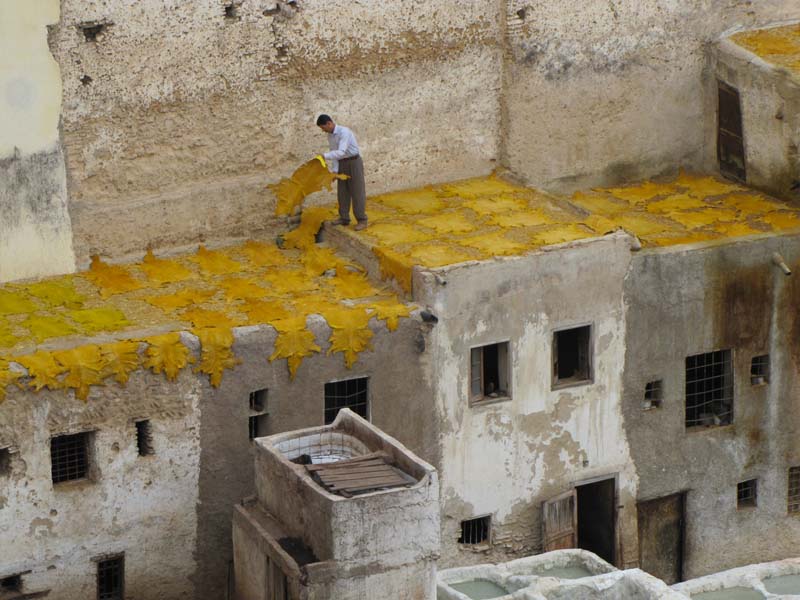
(352, 189)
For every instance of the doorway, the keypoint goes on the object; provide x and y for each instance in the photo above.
(662, 523)
(730, 135)
(597, 517)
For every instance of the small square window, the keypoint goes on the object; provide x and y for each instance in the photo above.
(475, 531)
(794, 491)
(144, 438)
(652, 395)
(709, 389)
(258, 400)
(12, 583)
(257, 426)
(69, 456)
(572, 356)
(350, 393)
(746, 493)
(488, 372)
(759, 370)
(111, 579)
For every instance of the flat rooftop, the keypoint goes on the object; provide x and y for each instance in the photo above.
(778, 46)
(486, 217)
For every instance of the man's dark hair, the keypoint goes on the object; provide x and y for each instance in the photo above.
(322, 119)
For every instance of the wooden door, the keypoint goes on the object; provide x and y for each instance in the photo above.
(560, 522)
(661, 527)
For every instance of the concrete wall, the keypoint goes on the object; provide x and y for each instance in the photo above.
(599, 92)
(506, 458)
(177, 116)
(770, 102)
(143, 506)
(687, 301)
(35, 231)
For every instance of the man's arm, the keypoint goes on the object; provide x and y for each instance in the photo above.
(341, 152)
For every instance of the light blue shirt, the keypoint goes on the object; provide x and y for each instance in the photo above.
(343, 144)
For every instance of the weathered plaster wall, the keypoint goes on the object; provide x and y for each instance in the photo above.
(770, 102)
(600, 91)
(688, 301)
(506, 458)
(143, 506)
(400, 404)
(35, 231)
(177, 116)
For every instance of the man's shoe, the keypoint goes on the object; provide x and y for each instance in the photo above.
(339, 221)
(361, 225)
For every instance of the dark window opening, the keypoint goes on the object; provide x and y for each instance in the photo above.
(111, 578)
(12, 583)
(709, 389)
(257, 426)
(144, 438)
(258, 400)
(730, 137)
(572, 357)
(5, 461)
(746, 492)
(93, 32)
(759, 370)
(475, 531)
(489, 372)
(652, 394)
(351, 393)
(69, 456)
(793, 495)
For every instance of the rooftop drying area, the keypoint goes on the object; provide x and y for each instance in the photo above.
(779, 46)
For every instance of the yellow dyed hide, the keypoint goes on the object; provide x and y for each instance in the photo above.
(310, 177)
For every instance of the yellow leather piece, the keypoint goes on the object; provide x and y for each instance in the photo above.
(258, 311)
(56, 292)
(166, 354)
(7, 377)
(201, 317)
(213, 262)
(215, 352)
(394, 265)
(449, 222)
(43, 369)
(120, 359)
(44, 327)
(494, 243)
(310, 177)
(350, 333)
(181, 299)
(164, 271)
(93, 320)
(310, 223)
(390, 311)
(294, 343)
(16, 303)
(111, 279)
(84, 366)
(777, 45)
(260, 254)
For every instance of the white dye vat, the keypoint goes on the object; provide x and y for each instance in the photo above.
(783, 584)
(480, 589)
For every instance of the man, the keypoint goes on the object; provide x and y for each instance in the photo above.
(344, 158)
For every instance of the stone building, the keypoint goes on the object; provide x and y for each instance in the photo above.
(593, 347)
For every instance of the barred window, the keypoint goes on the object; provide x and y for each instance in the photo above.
(794, 490)
(709, 389)
(747, 493)
(111, 579)
(475, 531)
(351, 393)
(69, 457)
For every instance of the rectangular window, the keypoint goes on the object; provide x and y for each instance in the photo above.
(759, 370)
(351, 393)
(730, 134)
(144, 438)
(488, 372)
(257, 426)
(12, 583)
(794, 491)
(5, 461)
(69, 457)
(572, 356)
(111, 578)
(709, 389)
(475, 531)
(746, 493)
(652, 395)
(258, 400)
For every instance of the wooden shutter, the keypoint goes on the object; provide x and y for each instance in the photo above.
(560, 522)
(476, 373)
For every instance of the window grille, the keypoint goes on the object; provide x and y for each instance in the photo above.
(652, 394)
(746, 493)
(69, 456)
(144, 438)
(759, 370)
(111, 578)
(709, 389)
(258, 400)
(572, 356)
(475, 531)
(794, 490)
(351, 393)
